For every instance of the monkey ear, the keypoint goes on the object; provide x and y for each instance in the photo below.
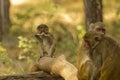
(91, 26)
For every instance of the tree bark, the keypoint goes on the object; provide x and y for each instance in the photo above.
(31, 76)
(93, 12)
(4, 13)
(0, 24)
(0, 32)
(7, 17)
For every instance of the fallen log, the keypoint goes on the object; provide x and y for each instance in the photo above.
(53, 68)
(31, 76)
(57, 66)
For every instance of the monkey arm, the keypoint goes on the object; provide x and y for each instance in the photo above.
(52, 49)
(84, 63)
(38, 36)
(41, 50)
(86, 71)
(51, 43)
(40, 39)
(41, 47)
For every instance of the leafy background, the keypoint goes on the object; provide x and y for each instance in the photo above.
(65, 19)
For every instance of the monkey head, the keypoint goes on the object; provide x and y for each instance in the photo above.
(43, 29)
(98, 26)
(92, 39)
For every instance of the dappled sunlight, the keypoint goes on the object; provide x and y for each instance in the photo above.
(110, 16)
(18, 2)
(66, 17)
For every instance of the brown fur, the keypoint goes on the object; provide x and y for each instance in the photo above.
(105, 54)
(84, 63)
(47, 43)
(97, 25)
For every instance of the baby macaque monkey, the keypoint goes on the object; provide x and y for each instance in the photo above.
(47, 44)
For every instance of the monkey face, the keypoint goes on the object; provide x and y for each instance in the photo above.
(98, 26)
(43, 29)
(101, 30)
(98, 29)
(92, 39)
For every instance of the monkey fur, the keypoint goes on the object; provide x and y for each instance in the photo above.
(105, 54)
(84, 63)
(47, 43)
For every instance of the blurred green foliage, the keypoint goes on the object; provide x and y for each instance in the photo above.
(3, 55)
(59, 22)
(5, 62)
(27, 45)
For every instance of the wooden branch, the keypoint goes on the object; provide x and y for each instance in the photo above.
(57, 66)
(31, 76)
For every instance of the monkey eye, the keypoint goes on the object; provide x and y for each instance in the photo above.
(86, 41)
(46, 29)
(99, 29)
(103, 30)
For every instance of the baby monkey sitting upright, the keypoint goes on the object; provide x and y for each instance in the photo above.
(47, 43)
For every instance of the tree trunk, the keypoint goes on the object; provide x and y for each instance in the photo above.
(31, 76)
(5, 19)
(93, 12)
(0, 31)
(0, 24)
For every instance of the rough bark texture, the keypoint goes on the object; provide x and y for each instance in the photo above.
(0, 30)
(4, 13)
(6, 16)
(93, 11)
(0, 24)
(57, 66)
(31, 76)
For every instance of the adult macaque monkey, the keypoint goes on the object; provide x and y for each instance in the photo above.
(47, 43)
(104, 51)
(98, 26)
(85, 65)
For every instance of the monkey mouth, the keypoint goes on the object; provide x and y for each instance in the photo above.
(86, 45)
